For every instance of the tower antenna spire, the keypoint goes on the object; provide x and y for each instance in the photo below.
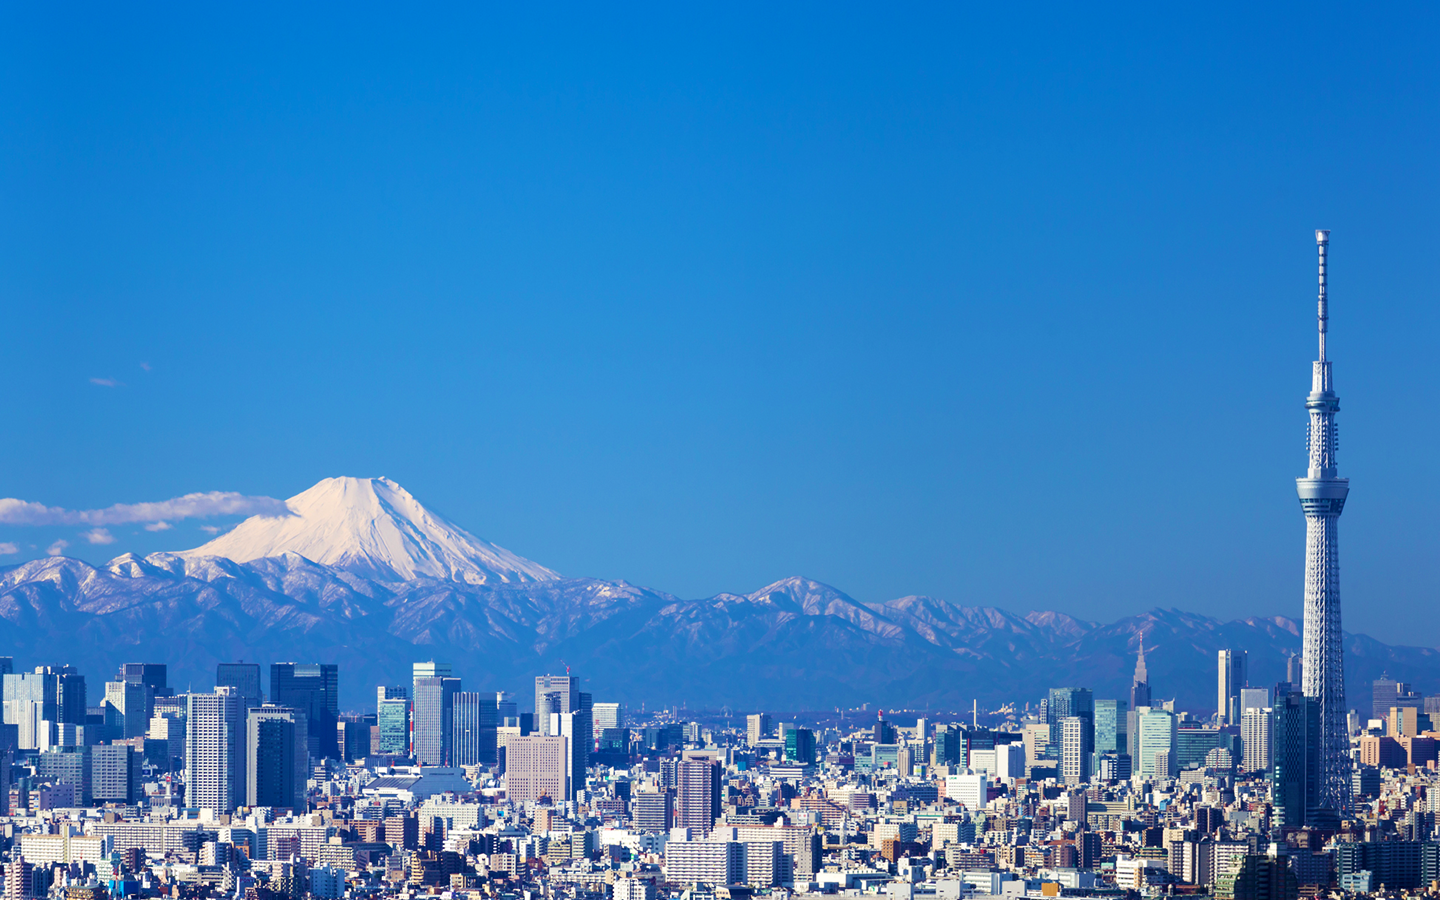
(1322, 243)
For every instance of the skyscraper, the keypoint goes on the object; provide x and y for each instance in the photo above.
(1322, 496)
(1231, 677)
(535, 767)
(243, 676)
(215, 750)
(1111, 726)
(1140, 687)
(276, 757)
(314, 690)
(474, 718)
(554, 694)
(1294, 761)
(697, 794)
(1256, 738)
(392, 717)
(1075, 749)
(434, 720)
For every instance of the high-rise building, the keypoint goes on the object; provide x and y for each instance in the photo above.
(128, 706)
(433, 714)
(71, 697)
(1156, 731)
(215, 750)
(1295, 669)
(1254, 698)
(554, 694)
(1065, 703)
(535, 768)
(31, 704)
(608, 715)
(1140, 686)
(757, 726)
(277, 758)
(1322, 497)
(1256, 738)
(1232, 676)
(313, 689)
(1111, 727)
(1076, 748)
(651, 811)
(1295, 760)
(697, 794)
(244, 677)
(392, 718)
(800, 746)
(115, 774)
(153, 674)
(474, 718)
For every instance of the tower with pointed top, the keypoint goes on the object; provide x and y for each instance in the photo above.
(1322, 496)
(1140, 687)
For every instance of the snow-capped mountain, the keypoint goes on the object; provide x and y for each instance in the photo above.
(374, 528)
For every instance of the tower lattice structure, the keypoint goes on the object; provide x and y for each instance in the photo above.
(1322, 497)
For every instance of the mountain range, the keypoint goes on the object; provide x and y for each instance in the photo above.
(361, 574)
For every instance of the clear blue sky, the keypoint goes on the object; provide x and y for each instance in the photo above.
(1010, 308)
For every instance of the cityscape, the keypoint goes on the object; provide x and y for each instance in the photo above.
(266, 785)
(718, 451)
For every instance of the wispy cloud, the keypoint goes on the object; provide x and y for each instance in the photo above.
(98, 536)
(57, 548)
(9, 549)
(210, 529)
(107, 382)
(145, 366)
(159, 526)
(190, 506)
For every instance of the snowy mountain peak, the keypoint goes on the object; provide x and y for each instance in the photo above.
(375, 528)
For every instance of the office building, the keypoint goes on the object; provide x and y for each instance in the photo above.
(215, 750)
(1232, 676)
(392, 719)
(1322, 495)
(1295, 760)
(154, 674)
(970, 790)
(277, 758)
(1254, 698)
(71, 698)
(1140, 685)
(1063, 703)
(245, 678)
(314, 690)
(474, 726)
(608, 715)
(1256, 737)
(800, 746)
(554, 694)
(1295, 670)
(1111, 726)
(433, 713)
(128, 706)
(757, 727)
(697, 794)
(1156, 732)
(535, 768)
(115, 774)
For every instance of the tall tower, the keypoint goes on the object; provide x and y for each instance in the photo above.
(1140, 687)
(1322, 497)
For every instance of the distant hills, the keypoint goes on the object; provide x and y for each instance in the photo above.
(361, 574)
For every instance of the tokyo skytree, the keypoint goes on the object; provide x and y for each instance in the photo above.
(1322, 497)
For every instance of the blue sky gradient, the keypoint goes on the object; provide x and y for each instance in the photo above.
(1009, 306)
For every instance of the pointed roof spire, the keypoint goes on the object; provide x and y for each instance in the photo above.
(1141, 676)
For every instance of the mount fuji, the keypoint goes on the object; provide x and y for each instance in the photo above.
(374, 528)
(361, 574)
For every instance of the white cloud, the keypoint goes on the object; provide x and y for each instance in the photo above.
(57, 548)
(159, 526)
(210, 529)
(98, 536)
(106, 382)
(8, 549)
(190, 506)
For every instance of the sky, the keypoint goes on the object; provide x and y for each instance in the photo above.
(1009, 306)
